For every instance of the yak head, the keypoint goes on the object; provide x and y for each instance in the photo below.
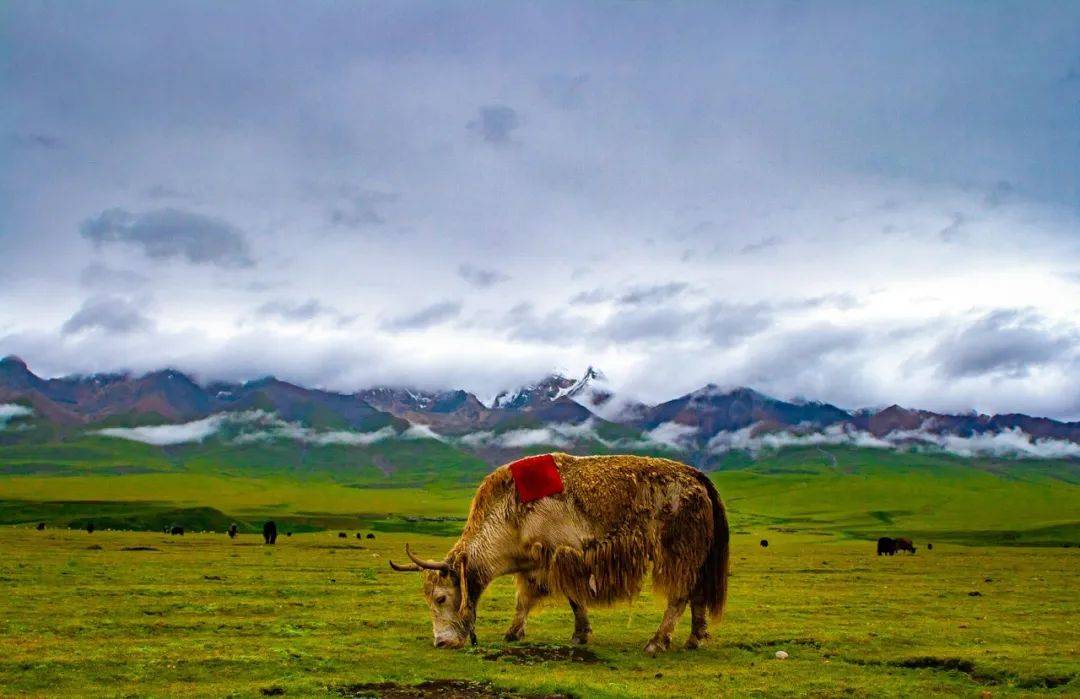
(446, 588)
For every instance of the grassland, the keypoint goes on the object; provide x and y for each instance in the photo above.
(138, 613)
(142, 614)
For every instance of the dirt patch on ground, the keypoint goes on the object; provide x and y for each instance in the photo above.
(446, 689)
(139, 548)
(529, 655)
(779, 643)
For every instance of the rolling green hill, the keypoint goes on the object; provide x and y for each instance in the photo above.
(425, 484)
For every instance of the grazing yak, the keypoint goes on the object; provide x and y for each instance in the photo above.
(886, 546)
(270, 532)
(176, 530)
(89, 527)
(370, 535)
(764, 543)
(232, 530)
(41, 526)
(903, 544)
(585, 528)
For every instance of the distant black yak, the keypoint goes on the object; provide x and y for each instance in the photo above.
(89, 527)
(342, 535)
(886, 546)
(764, 543)
(903, 544)
(232, 530)
(176, 530)
(370, 535)
(359, 535)
(270, 532)
(41, 526)
(929, 547)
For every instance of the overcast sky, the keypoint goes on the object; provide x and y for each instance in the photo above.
(864, 203)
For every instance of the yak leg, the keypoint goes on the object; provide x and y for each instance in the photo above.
(528, 595)
(661, 640)
(699, 625)
(582, 629)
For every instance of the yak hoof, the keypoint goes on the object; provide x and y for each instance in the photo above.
(581, 638)
(655, 647)
(514, 635)
(693, 643)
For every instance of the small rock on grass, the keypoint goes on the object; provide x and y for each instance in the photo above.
(781, 655)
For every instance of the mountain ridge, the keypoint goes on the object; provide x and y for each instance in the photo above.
(173, 396)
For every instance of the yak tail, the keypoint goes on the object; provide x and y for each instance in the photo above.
(711, 588)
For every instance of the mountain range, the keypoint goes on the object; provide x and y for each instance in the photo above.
(575, 414)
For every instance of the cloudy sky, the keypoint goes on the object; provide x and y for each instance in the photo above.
(864, 203)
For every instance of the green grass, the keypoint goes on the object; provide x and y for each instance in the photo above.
(205, 616)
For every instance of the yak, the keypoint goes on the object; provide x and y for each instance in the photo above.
(903, 544)
(270, 532)
(41, 526)
(176, 530)
(591, 542)
(232, 530)
(886, 546)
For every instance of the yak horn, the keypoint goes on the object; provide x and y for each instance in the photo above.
(404, 569)
(430, 565)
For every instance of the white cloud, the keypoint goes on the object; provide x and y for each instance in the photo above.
(1013, 442)
(9, 411)
(252, 425)
(163, 435)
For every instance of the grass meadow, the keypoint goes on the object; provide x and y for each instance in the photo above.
(993, 608)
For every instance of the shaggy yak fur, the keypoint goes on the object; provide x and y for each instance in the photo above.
(593, 544)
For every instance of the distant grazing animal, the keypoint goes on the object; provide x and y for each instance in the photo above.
(370, 535)
(359, 535)
(929, 547)
(41, 526)
(342, 535)
(288, 533)
(585, 528)
(270, 532)
(89, 527)
(886, 546)
(903, 544)
(764, 543)
(232, 530)
(176, 530)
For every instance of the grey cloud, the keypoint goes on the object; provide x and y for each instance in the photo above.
(652, 294)
(726, 324)
(172, 233)
(953, 232)
(480, 277)
(495, 124)
(637, 325)
(104, 278)
(590, 297)
(523, 323)
(771, 241)
(1009, 342)
(114, 316)
(301, 312)
(358, 207)
(426, 317)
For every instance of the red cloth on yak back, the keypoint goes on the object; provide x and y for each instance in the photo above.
(536, 477)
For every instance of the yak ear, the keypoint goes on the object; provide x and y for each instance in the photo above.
(463, 582)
